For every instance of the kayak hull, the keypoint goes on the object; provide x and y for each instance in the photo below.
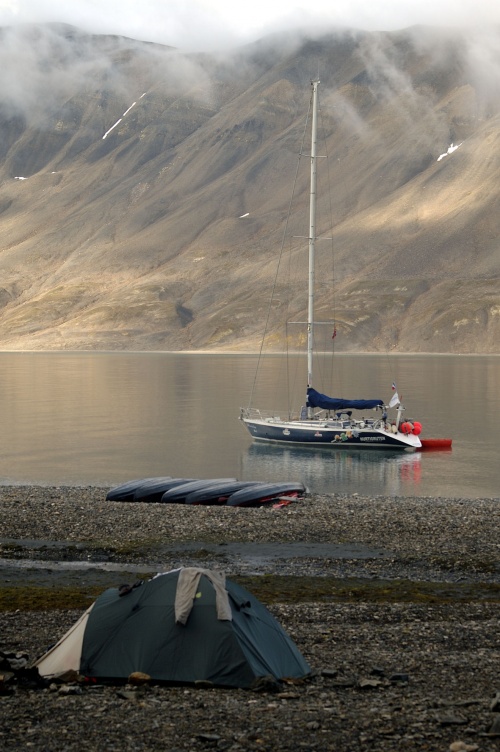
(263, 493)
(126, 491)
(178, 494)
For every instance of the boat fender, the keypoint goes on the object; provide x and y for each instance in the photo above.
(417, 428)
(394, 428)
(362, 424)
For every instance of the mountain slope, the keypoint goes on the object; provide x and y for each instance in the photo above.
(128, 168)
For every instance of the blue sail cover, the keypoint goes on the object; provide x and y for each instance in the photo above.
(316, 399)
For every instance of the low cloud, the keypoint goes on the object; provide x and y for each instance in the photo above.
(214, 24)
(42, 66)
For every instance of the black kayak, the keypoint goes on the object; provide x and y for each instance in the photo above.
(178, 494)
(126, 491)
(218, 493)
(152, 492)
(263, 493)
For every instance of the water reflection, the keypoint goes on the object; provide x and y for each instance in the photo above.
(338, 471)
(104, 418)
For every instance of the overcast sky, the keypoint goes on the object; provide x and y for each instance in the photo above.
(213, 24)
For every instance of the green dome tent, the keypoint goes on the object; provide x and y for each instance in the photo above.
(182, 626)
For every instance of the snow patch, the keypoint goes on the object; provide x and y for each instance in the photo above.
(113, 126)
(451, 149)
(125, 113)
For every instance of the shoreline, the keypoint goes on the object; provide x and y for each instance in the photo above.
(422, 539)
(393, 674)
(362, 353)
(82, 513)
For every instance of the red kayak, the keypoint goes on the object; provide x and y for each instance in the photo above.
(435, 443)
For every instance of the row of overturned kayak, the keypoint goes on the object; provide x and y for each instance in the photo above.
(211, 491)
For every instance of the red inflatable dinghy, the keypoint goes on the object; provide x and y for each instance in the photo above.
(436, 443)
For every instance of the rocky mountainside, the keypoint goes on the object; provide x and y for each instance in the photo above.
(144, 192)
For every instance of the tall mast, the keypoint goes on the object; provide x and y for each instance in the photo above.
(312, 236)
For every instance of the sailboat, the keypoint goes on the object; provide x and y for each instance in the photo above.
(324, 420)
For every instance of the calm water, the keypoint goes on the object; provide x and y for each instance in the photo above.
(104, 418)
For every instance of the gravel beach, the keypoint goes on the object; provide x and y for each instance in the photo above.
(396, 610)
